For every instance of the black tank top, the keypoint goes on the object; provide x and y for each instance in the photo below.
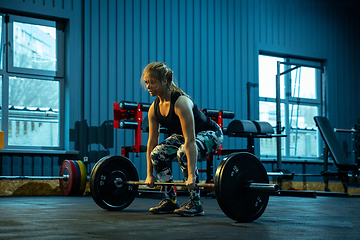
(172, 121)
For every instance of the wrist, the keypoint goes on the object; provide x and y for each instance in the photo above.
(190, 175)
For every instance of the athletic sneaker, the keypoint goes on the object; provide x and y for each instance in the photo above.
(165, 206)
(190, 209)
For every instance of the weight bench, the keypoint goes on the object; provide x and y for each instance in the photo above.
(251, 130)
(347, 172)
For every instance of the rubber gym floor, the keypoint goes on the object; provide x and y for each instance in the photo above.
(57, 217)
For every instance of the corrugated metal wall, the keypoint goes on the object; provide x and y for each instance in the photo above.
(55, 8)
(212, 47)
(32, 164)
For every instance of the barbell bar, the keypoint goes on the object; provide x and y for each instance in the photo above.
(346, 130)
(64, 177)
(241, 185)
(266, 187)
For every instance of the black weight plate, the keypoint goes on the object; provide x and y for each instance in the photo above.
(217, 181)
(236, 201)
(102, 182)
(92, 173)
(105, 192)
(97, 200)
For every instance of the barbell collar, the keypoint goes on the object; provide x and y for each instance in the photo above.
(264, 187)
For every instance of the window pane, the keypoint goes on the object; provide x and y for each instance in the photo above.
(302, 116)
(303, 84)
(34, 46)
(268, 114)
(267, 76)
(1, 42)
(303, 136)
(34, 112)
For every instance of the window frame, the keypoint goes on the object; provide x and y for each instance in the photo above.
(8, 70)
(288, 63)
(59, 72)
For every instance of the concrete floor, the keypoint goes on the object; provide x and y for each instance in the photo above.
(80, 218)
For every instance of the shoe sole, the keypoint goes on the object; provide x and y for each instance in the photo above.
(161, 212)
(191, 214)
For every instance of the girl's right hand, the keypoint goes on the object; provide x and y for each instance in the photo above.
(150, 181)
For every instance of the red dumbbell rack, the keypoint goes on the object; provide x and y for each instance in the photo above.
(129, 115)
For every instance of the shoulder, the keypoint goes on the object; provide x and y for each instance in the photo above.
(183, 103)
(155, 103)
(153, 106)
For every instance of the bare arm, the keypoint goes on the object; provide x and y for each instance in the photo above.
(183, 108)
(152, 142)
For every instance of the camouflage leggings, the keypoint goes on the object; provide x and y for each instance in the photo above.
(207, 143)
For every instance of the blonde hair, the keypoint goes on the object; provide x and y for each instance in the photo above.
(159, 71)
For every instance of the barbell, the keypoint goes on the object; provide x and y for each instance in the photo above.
(241, 185)
(252, 186)
(72, 178)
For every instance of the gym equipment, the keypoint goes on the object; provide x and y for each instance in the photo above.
(355, 133)
(241, 185)
(83, 178)
(251, 130)
(129, 115)
(103, 187)
(347, 173)
(67, 187)
(72, 178)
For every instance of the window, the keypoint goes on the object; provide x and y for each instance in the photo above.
(32, 77)
(300, 101)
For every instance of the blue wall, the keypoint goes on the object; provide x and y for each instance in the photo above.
(212, 47)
